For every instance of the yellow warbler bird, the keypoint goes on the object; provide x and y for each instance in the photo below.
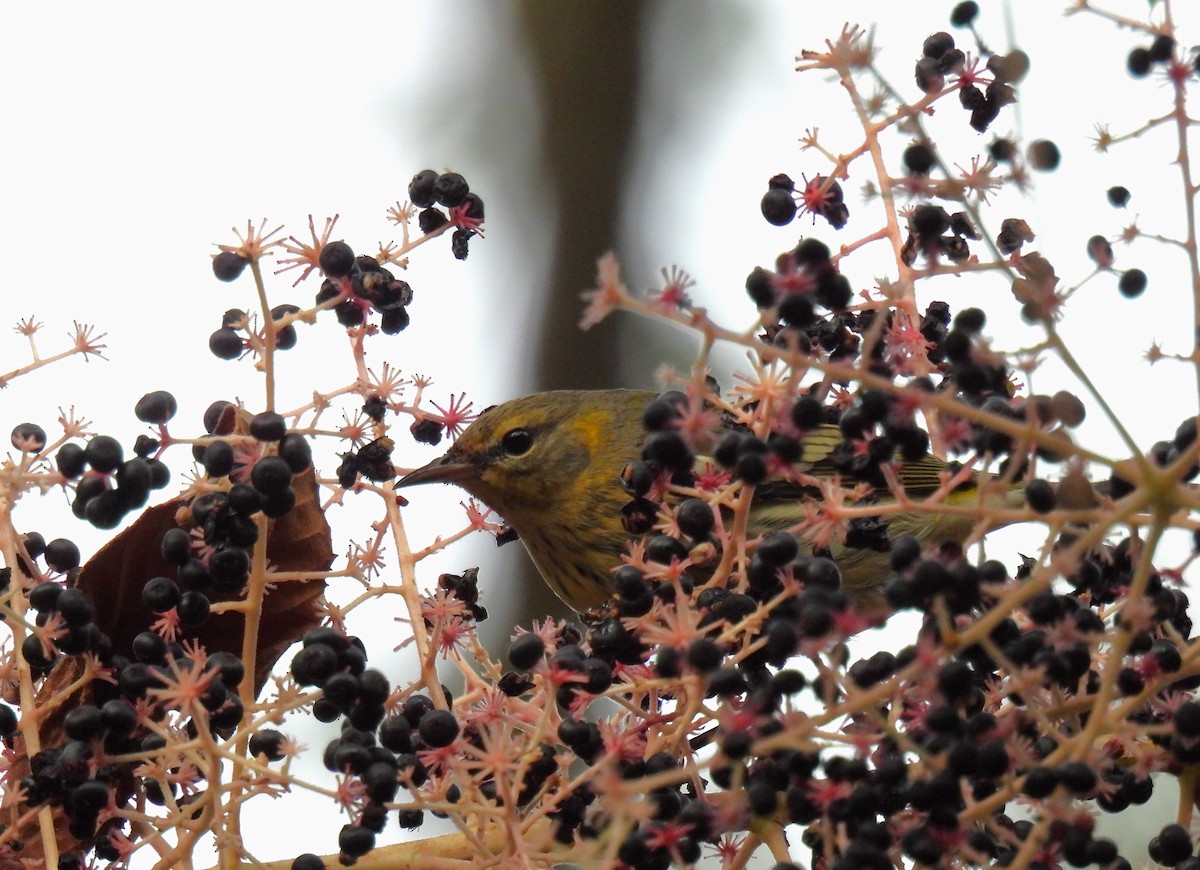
(551, 465)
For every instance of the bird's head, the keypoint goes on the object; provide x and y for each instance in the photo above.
(526, 456)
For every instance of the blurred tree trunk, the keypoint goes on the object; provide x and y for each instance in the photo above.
(585, 60)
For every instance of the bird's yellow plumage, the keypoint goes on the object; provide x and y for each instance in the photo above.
(550, 464)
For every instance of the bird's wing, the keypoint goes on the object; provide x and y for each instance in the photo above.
(920, 477)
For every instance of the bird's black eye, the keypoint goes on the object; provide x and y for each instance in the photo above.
(516, 442)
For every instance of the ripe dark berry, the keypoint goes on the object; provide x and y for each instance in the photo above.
(1043, 155)
(230, 669)
(664, 410)
(106, 510)
(432, 219)
(157, 407)
(307, 862)
(796, 309)
(104, 453)
(1077, 776)
(268, 426)
(1040, 496)
(426, 431)
(229, 568)
(473, 205)
(1162, 48)
(380, 781)
(760, 286)
(1174, 845)
(1187, 719)
(62, 555)
(930, 221)
(937, 44)
(8, 721)
(695, 518)
(271, 475)
(1100, 251)
(812, 253)
(1002, 150)
(751, 467)
(160, 594)
(704, 655)
(460, 245)
(119, 717)
(336, 260)
(668, 449)
(44, 596)
(396, 734)
(149, 647)
(193, 608)
(919, 158)
(438, 728)
(526, 651)
(420, 189)
(1040, 782)
(808, 413)
(1118, 196)
(218, 458)
(225, 343)
(286, 337)
(296, 452)
(355, 841)
(410, 819)
(964, 14)
(312, 665)
(777, 548)
(247, 501)
(276, 504)
(175, 547)
(1166, 654)
(70, 460)
(450, 189)
(1132, 283)
(778, 207)
(83, 722)
(75, 606)
(228, 265)
(268, 742)
(1139, 62)
(28, 437)
(834, 291)
(219, 418)
(394, 320)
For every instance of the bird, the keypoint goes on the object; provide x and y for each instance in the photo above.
(550, 464)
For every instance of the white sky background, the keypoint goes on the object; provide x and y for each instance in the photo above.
(137, 135)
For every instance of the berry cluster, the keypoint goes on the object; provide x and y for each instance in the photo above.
(359, 285)
(819, 197)
(373, 461)
(803, 279)
(1132, 282)
(1142, 59)
(940, 58)
(65, 613)
(259, 467)
(381, 750)
(109, 486)
(226, 343)
(122, 714)
(429, 189)
(934, 233)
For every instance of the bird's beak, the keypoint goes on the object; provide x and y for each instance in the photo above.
(444, 469)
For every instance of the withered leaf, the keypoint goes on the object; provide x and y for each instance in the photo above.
(299, 541)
